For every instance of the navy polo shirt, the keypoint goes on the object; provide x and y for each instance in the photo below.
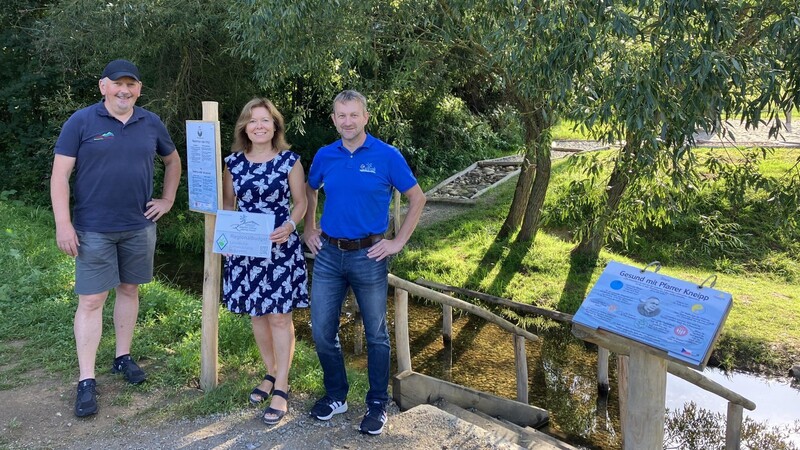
(114, 166)
(358, 186)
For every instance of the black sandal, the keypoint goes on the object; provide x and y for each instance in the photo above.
(261, 395)
(276, 412)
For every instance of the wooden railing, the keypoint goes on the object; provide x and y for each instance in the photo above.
(424, 289)
(404, 287)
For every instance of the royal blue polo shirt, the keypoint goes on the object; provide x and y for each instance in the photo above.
(114, 166)
(358, 186)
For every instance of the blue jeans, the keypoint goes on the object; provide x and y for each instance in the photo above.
(334, 271)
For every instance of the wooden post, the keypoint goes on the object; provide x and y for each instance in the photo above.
(733, 428)
(447, 341)
(643, 427)
(622, 388)
(447, 324)
(398, 215)
(209, 359)
(401, 330)
(521, 363)
(602, 371)
(358, 324)
(447, 361)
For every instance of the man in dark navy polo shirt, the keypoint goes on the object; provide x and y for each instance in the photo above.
(111, 146)
(358, 173)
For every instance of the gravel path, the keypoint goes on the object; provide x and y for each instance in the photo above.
(33, 418)
(424, 427)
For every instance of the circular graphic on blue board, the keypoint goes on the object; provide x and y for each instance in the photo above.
(616, 285)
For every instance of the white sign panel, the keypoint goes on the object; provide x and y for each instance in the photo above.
(201, 160)
(666, 313)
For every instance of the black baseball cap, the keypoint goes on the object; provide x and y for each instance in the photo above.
(121, 68)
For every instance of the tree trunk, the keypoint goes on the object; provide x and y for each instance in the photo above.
(593, 241)
(532, 125)
(533, 212)
(541, 143)
(521, 194)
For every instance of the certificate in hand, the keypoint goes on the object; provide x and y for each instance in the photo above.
(243, 233)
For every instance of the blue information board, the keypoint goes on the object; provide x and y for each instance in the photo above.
(203, 166)
(676, 316)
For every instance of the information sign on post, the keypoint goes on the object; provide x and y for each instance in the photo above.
(205, 196)
(203, 165)
(651, 318)
(675, 316)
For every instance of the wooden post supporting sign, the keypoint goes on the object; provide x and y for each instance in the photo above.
(650, 320)
(205, 196)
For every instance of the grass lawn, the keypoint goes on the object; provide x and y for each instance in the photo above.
(762, 332)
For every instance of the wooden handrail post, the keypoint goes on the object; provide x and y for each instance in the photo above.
(401, 330)
(602, 370)
(733, 428)
(521, 363)
(643, 427)
(622, 388)
(447, 324)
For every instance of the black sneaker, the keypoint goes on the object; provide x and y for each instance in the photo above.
(326, 407)
(126, 366)
(374, 419)
(86, 401)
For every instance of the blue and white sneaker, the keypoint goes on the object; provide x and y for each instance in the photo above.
(326, 407)
(374, 419)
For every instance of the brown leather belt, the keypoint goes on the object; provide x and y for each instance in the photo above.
(353, 244)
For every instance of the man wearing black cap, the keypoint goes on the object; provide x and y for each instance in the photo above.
(111, 232)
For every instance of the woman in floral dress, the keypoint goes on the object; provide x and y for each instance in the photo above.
(263, 176)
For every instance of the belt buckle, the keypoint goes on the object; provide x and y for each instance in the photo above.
(339, 244)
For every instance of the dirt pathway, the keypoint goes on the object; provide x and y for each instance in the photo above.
(39, 415)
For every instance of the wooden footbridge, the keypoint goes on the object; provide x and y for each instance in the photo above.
(642, 374)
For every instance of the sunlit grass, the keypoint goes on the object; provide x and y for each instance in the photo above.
(762, 331)
(37, 306)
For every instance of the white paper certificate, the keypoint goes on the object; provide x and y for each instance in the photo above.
(243, 233)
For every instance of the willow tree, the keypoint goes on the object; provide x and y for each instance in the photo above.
(678, 67)
(526, 53)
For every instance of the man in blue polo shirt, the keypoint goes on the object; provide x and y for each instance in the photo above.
(358, 173)
(111, 147)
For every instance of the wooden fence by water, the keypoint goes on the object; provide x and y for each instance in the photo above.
(642, 412)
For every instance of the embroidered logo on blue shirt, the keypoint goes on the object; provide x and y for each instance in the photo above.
(104, 136)
(368, 168)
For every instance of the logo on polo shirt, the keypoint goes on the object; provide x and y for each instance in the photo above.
(103, 137)
(367, 167)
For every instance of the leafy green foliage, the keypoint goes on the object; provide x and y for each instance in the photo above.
(27, 95)
(678, 67)
(719, 225)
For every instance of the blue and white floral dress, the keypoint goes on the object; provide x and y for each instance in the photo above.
(257, 286)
